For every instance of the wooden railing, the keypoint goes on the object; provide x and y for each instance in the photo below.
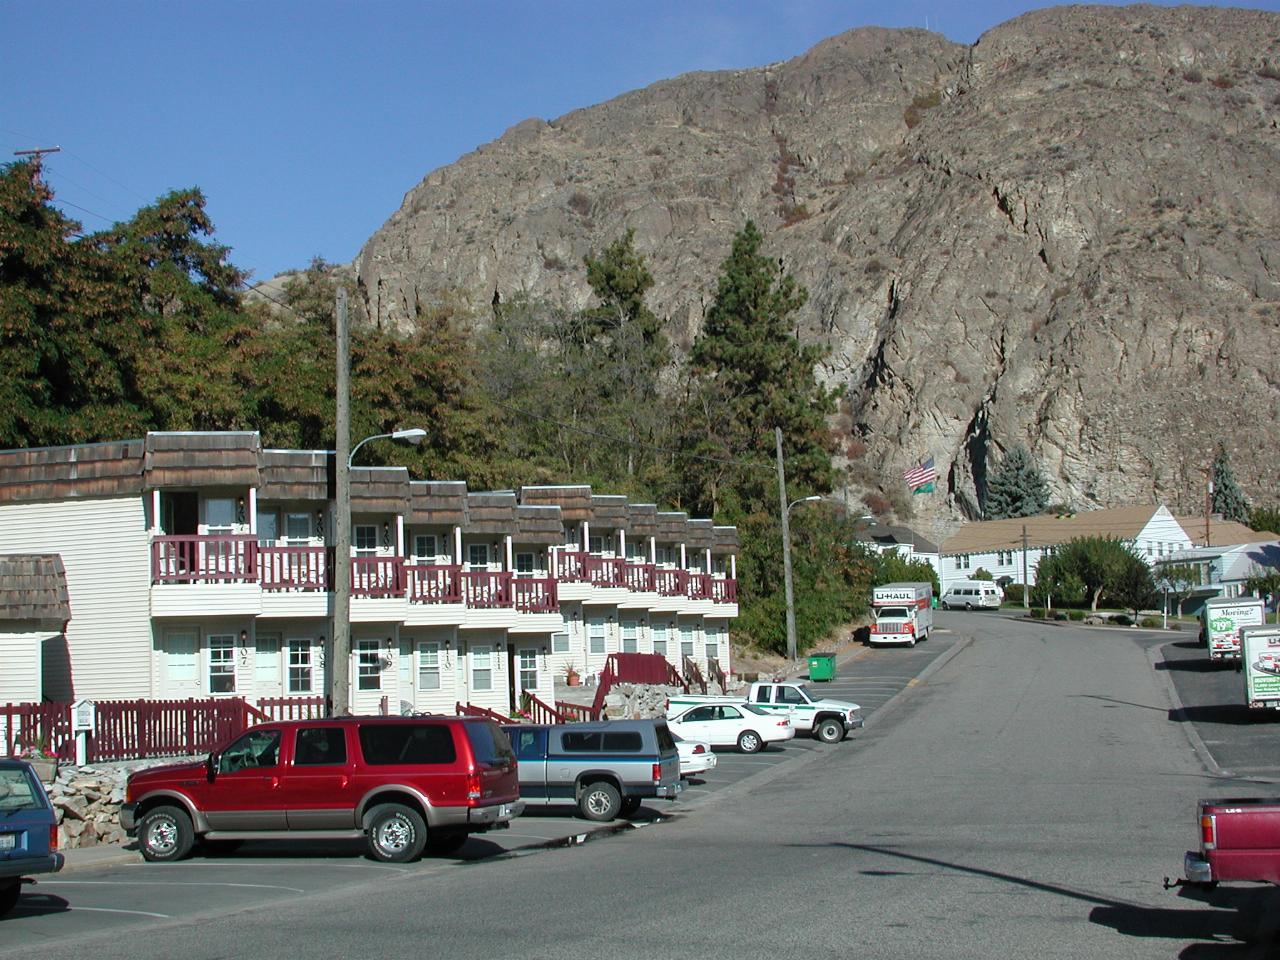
(693, 675)
(576, 712)
(467, 710)
(570, 566)
(295, 568)
(377, 576)
(671, 583)
(486, 589)
(606, 571)
(540, 712)
(535, 594)
(228, 558)
(714, 672)
(724, 590)
(698, 586)
(434, 583)
(639, 577)
(635, 668)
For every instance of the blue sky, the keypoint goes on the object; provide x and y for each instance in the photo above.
(305, 122)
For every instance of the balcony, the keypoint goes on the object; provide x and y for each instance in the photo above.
(296, 568)
(434, 583)
(671, 582)
(724, 591)
(639, 577)
(377, 577)
(571, 566)
(698, 586)
(229, 558)
(486, 589)
(606, 571)
(535, 595)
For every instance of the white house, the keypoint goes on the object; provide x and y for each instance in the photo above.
(909, 545)
(33, 615)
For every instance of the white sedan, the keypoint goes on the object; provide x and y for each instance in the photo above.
(738, 725)
(695, 756)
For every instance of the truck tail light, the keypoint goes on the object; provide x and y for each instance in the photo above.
(1208, 832)
(475, 787)
(657, 773)
(53, 838)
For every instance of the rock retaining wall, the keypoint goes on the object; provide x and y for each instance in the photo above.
(88, 801)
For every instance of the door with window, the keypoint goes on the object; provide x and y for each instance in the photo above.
(527, 670)
(317, 788)
(243, 794)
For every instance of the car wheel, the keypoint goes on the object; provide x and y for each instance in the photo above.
(600, 801)
(749, 742)
(396, 833)
(445, 841)
(165, 834)
(9, 894)
(968, 606)
(830, 731)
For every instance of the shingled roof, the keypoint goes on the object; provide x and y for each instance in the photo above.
(202, 459)
(33, 587)
(438, 501)
(67, 473)
(574, 500)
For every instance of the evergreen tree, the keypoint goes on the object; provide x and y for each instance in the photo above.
(1265, 519)
(750, 375)
(1228, 499)
(1016, 488)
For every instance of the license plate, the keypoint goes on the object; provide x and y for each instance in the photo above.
(8, 841)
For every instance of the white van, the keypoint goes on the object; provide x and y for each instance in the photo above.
(972, 595)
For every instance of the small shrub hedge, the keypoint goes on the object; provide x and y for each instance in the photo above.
(1149, 623)
(1075, 614)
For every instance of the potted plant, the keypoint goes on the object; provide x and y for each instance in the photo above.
(571, 676)
(44, 763)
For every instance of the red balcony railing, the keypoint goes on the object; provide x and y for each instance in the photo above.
(606, 571)
(486, 589)
(724, 591)
(698, 586)
(571, 566)
(377, 576)
(203, 559)
(535, 595)
(295, 568)
(639, 577)
(671, 583)
(434, 583)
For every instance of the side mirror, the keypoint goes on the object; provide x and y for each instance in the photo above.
(211, 767)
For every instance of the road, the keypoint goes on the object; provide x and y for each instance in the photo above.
(1024, 800)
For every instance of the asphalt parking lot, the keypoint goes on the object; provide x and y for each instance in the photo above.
(114, 888)
(1235, 742)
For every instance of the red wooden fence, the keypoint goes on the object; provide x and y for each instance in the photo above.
(467, 710)
(576, 712)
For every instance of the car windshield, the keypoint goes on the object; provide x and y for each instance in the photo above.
(17, 792)
(891, 613)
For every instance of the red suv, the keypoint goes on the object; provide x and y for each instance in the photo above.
(405, 783)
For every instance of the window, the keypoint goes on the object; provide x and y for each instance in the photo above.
(320, 747)
(406, 665)
(790, 695)
(386, 744)
(257, 748)
(489, 744)
(528, 744)
(365, 538)
(428, 665)
(635, 551)
(528, 658)
(659, 631)
(481, 666)
(424, 547)
(478, 555)
(595, 635)
(222, 663)
(299, 665)
(268, 528)
(368, 665)
(297, 529)
(559, 643)
(630, 632)
(266, 661)
(220, 514)
(713, 646)
(729, 713)
(664, 556)
(700, 713)
(524, 564)
(686, 640)
(595, 544)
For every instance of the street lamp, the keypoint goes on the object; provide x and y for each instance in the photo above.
(786, 575)
(339, 666)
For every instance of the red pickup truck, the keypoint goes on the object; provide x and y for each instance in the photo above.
(1239, 840)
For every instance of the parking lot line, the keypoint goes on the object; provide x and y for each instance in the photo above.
(136, 913)
(167, 883)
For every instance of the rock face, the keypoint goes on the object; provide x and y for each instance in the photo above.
(1064, 235)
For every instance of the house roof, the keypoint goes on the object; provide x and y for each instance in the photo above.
(574, 500)
(888, 535)
(33, 587)
(1123, 523)
(438, 501)
(539, 525)
(1223, 533)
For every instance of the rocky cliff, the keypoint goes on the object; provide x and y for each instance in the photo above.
(1064, 235)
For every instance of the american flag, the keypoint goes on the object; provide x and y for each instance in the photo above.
(918, 476)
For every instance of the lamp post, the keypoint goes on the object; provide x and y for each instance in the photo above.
(340, 661)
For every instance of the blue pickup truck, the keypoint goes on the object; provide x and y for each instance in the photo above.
(28, 831)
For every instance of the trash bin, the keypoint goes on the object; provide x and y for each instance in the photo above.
(822, 666)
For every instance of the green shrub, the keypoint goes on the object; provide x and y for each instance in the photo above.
(1122, 620)
(1149, 623)
(1075, 614)
(1036, 613)
(1013, 593)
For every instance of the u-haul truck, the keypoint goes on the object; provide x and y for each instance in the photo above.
(903, 613)
(1260, 652)
(1220, 623)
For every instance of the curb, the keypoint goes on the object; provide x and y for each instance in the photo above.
(1193, 736)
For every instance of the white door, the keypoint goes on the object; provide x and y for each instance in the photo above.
(182, 664)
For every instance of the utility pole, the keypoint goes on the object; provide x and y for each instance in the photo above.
(38, 154)
(1026, 584)
(1208, 506)
(339, 666)
(786, 551)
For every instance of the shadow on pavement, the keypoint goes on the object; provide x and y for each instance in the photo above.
(38, 904)
(1199, 665)
(1232, 714)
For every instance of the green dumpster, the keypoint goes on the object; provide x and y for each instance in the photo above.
(822, 666)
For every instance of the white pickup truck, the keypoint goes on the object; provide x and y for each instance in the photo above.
(828, 720)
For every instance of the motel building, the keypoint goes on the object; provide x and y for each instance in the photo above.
(195, 565)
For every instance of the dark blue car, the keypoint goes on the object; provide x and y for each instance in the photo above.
(28, 831)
